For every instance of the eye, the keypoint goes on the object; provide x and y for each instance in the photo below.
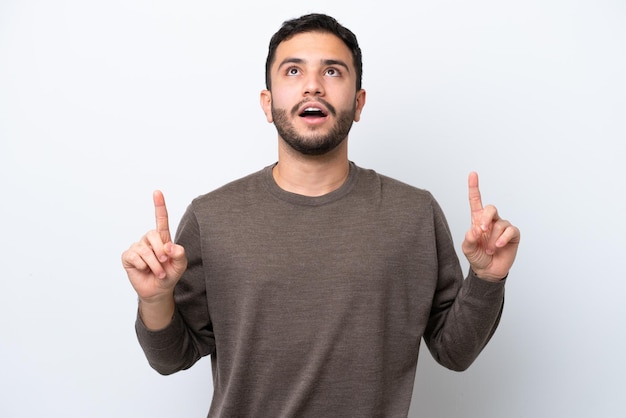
(333, 72)
(293, 71)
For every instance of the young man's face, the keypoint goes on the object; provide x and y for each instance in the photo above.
(313, 100)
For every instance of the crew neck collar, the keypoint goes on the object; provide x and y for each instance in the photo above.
(298, 199)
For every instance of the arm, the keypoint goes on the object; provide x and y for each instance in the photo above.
(465, 313)
(176, 334)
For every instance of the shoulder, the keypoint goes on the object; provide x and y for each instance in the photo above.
(234, 193)
(392, 188)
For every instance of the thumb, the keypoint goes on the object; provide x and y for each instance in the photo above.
(472, 239)
(177, 258)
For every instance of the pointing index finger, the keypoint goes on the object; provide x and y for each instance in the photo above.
(160, 213)
(475, 201)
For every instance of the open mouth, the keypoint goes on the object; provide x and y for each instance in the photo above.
(313, 112)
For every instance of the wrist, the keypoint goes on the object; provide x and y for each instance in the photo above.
(157, 313)
(158, 299)
(488, 277)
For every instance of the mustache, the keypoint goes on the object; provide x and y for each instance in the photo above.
(331, 109)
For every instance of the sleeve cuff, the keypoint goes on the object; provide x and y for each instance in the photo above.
(162, 339)
(478, 287)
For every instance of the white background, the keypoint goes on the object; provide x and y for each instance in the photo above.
(103, 102)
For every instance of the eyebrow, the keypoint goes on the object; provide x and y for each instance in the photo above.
(325, 62)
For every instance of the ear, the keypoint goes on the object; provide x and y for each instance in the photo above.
(266, 105)
(360, 102)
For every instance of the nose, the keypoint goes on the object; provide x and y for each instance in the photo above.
(313, 85)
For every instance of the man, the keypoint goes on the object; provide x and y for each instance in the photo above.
(312, 282)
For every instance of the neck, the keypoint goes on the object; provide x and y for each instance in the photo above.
(311, 175)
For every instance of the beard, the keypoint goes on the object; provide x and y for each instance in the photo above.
(314, 143)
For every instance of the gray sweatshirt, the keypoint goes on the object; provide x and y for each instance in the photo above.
(316, 306)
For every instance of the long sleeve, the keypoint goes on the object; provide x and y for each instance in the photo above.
(465, 313)
(189, 336)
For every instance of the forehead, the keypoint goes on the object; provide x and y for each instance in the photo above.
(314, 46)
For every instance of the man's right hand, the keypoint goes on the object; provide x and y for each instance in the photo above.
(154, 265)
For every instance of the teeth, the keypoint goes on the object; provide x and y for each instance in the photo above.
(312, 109)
